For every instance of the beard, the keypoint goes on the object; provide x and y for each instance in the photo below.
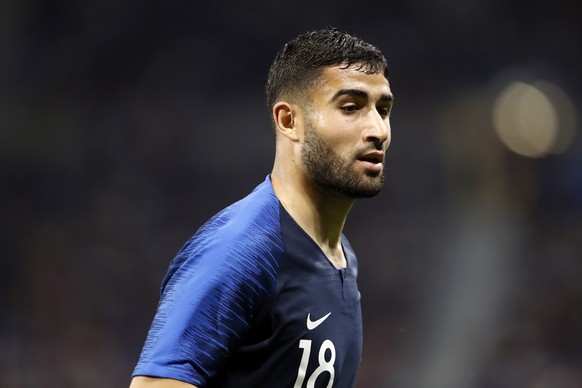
(332, 172)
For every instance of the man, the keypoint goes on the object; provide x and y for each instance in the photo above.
(265, 293)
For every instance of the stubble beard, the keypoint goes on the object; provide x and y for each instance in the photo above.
(332, 172)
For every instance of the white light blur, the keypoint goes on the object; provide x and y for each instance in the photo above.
(534, 120)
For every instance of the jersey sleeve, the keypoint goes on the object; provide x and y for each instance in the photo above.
(215, 287)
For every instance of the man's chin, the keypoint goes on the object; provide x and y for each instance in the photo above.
(368, 189)
(367, 193)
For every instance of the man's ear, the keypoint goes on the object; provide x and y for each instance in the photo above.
(286, 117)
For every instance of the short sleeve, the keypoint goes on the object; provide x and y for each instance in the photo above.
(215, 287)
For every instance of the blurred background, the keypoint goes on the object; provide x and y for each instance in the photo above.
(125, 125)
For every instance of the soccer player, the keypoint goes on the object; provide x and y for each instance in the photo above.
(265, 294)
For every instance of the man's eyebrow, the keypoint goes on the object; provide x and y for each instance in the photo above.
(387, 97)
(360, 94)
(349, 92)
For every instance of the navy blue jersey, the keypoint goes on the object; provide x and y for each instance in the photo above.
(252, 301)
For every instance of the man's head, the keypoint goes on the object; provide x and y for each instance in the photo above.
(331, 100)
(298, 67)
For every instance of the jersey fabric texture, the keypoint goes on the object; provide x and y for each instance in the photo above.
(252, 301)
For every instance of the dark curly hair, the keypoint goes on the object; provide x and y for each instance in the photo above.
(299, 65)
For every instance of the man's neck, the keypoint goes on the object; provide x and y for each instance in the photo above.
(322, 214)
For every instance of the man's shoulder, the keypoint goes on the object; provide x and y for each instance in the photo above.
(257, 213)
(243, 238)
(249, 227)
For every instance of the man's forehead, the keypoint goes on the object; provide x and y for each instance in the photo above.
(337, 78)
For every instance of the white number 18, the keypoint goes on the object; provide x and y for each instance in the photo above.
(324, 365)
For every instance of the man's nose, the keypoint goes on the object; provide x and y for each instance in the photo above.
(377, 130)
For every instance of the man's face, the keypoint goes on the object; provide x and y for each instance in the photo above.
(347, 131)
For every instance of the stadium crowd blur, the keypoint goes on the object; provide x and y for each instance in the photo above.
(125, 125)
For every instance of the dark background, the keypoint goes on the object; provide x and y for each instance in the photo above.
(126, 124)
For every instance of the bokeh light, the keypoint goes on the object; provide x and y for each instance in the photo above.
(534, 120)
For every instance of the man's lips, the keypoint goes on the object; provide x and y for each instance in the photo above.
(374, 157)
(372, 161)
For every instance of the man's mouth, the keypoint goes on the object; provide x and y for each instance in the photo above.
(374, 157)
(373, 161)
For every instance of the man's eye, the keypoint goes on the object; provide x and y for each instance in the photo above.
(349, 108)
(384, 112)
